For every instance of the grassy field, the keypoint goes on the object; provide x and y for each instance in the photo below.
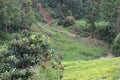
(106, 69)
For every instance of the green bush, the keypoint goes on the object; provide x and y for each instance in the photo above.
(4, 35)
(80, 30)
(60, 21)
(48, 74)
(116, 46)
(85, 34)
(69, 21)
(106, 33)
(53, 14)
(23, 53)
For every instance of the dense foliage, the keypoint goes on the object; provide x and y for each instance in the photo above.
(62, 7)
(116, 46)
(69, 21)
(25, 52)
(92, 11)
(15, 15)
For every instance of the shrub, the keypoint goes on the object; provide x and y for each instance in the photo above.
(107, 33)
(83, 31)
(53, 15)
(4, 35)
(85, 34)
(116, 46)
(60, 21)
(23, 53)
(48, 74)
(69, 21)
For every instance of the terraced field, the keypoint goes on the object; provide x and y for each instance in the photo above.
(105, 69)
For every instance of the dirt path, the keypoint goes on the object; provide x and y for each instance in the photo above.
(68, 33)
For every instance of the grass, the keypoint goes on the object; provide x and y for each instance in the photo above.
(76, 49)
(75, 52)
(83, 23)
(48, 74)
(105, 69)
(54, 27)
(44, 28)
(72, 48)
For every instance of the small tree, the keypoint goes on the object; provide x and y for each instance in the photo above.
(69, 21)
(116, 46)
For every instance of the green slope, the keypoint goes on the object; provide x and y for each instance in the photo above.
(106, 69)
(75, 48)
(75, 51)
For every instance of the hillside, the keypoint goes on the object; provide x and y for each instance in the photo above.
(76, 50)
(59, 40)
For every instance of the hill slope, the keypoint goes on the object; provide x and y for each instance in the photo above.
(73, 47)
(74, 50)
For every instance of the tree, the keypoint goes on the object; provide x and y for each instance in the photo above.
(23, 53)
(15, 15)
(116, 46)
(69, 21)
(92, 14)
(111, 14)
(6, 14)
(62, 7)
(28, 16)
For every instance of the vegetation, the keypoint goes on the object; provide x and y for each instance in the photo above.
(23, 53)
(105, 69)
(81, 32)
(77, 49)
(116, 46)
(69, 21)
(16, 15)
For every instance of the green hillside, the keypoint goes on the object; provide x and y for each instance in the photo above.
(105, 69)
(75, 50)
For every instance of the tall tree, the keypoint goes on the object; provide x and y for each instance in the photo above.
(92, 14)
(111, 14)
(14, 16)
